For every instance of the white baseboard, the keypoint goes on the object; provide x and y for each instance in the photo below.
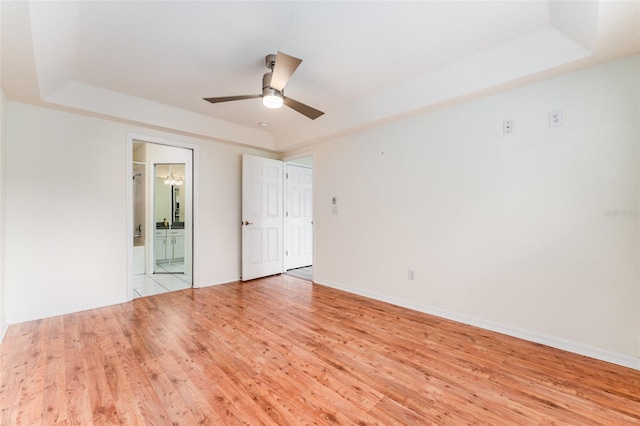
(219, 282)
(577, 348)
(3, 329)
(17, 319)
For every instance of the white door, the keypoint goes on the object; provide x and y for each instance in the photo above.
(262, 224)
(299, 217)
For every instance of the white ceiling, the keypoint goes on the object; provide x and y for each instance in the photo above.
(364, 63)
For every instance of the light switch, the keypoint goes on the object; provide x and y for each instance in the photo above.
(555, 118)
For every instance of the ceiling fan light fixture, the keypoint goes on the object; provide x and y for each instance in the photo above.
(272, 100)
(282, 66)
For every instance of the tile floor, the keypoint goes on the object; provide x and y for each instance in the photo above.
(306, 273)
(148, 285)
(170, 267)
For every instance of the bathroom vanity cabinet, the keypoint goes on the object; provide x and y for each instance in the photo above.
(169, 244)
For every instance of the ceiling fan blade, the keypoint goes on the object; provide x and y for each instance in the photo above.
(303, 109)
(283, 70)
(231, 98)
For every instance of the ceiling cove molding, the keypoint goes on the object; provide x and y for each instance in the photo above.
(105, 102)
(54, 43)
(573, 32)
(533, 53)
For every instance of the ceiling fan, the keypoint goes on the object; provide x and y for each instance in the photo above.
(282, 67)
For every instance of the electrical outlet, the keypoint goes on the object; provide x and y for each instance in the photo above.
(507, 127)
(555, 118)
(412, 274)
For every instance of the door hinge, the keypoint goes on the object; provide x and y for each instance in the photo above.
(286, 214)
(287, 174)
(287, 252)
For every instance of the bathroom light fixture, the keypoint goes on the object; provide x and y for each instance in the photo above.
(175, 181)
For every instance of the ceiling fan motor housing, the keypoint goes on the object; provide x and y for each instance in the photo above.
(266, 86)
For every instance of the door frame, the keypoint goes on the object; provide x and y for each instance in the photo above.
(195, 212)
(289, 159)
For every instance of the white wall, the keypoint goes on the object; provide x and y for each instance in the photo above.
(534, 234)
(3, 127)
(66, 197)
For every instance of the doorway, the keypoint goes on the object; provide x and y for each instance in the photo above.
(162, 210)
(277, 216)
(298, 229)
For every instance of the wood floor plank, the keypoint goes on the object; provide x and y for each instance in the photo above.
(13, 363)
(176, 408)
(54, 408)
(76, 394)
(283, 351)
(100, 394)
(33, 385)
(148, 403)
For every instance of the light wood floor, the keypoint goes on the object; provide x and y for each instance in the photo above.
(282, 351)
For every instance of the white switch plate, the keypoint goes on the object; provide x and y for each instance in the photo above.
(507, 127)
(334, 209)
(555, 118)
(412, 274)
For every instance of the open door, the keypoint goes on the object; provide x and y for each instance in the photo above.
(298, 217)
(262, 219)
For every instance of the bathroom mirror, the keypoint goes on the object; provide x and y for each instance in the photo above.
(168, 195)
(169, 242)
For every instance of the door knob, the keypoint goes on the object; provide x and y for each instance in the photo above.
(246, 222)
